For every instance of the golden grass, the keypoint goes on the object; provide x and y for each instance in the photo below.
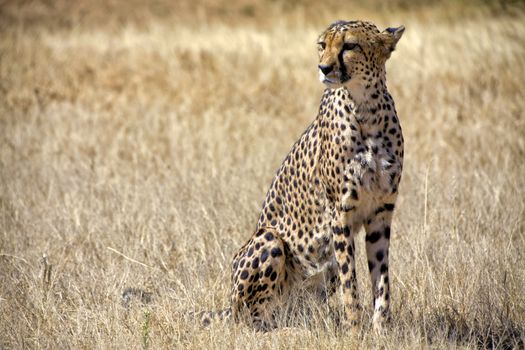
(137, 143)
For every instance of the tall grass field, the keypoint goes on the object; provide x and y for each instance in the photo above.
(138, 139)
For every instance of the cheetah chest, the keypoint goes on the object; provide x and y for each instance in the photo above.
(373, 171)
(370, 175)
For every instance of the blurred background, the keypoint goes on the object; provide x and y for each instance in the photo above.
(138, 139)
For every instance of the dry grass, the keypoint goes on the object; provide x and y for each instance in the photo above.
(137, 143)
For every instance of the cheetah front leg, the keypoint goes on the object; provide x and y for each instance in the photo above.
(377, 243)
(344, 252)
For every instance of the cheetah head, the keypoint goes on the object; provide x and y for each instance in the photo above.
(353, 53)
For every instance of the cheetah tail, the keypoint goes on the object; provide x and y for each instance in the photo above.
(206, 317)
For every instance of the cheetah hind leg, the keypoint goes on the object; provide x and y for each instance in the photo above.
(259, 278)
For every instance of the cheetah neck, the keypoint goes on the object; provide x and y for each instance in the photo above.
(364, 93)
(366, 105)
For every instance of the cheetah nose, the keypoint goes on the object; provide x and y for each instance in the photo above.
(325, 68)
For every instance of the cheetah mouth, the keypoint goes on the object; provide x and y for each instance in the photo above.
(329, 81)
(326, 80)
(333, 81)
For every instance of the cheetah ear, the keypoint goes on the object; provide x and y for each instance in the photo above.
(390, 37)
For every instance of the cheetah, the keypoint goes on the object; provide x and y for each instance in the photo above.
(342, 174)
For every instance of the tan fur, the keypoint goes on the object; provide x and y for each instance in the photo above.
(342, 174)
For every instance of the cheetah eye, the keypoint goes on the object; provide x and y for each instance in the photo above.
(322, 45)
(350, 46)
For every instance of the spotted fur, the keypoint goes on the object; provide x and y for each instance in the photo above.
(342, 174)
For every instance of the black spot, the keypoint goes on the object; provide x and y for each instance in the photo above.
(371, 265)
(354, 195)
(373, 237)
(255, 263)
(340, 246)
(387, 232)
(244, 274)
(273, 277)
(264, 255)
(384, 268)
(338, 230)
(348, 284)
(269, 236)
(268, 271)
(380, 255)
(276, 252)
(392, 177)
(389, 206)
(344, 268)
(240, 287)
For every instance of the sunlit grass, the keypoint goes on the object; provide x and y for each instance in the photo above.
(136, 147)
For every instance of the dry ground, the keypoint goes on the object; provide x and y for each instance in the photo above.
(137, 142)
